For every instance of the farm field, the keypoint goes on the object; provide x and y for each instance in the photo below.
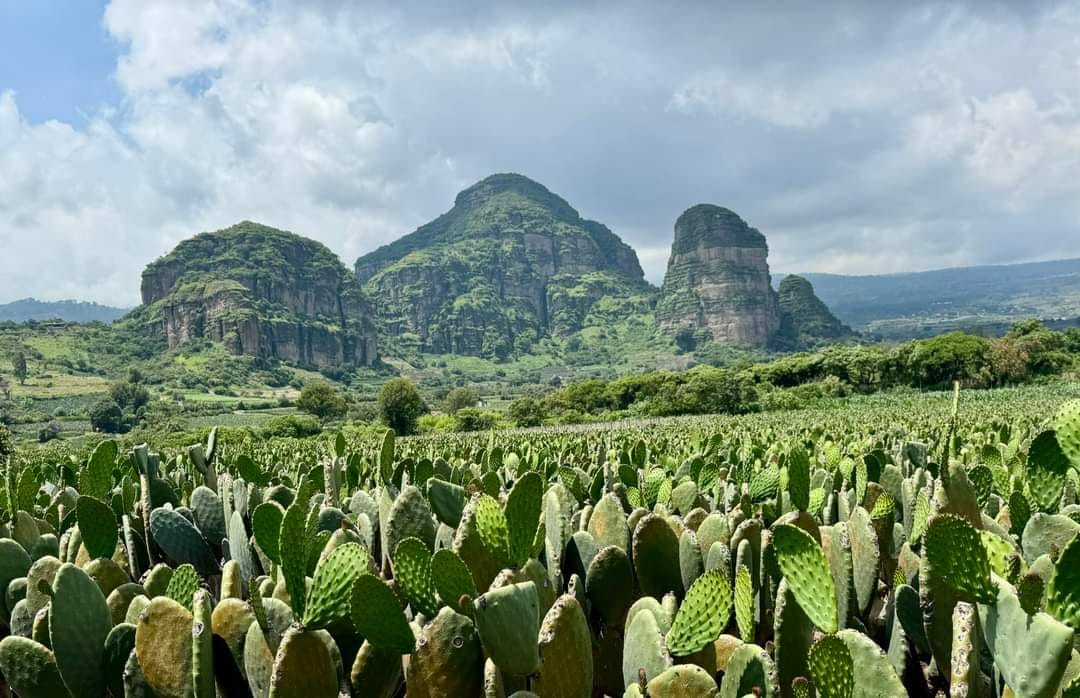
(867, 547)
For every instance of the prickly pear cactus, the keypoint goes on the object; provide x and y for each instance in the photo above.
(1067, 428)
(163, 645)
(330, 597)
(412, 571)
(79, 622)
(303, 666)
(744, 603)
(30, 669)
(508, 620)
(377, 614)
(806, 569)
(702, 616)
(831, 668)
(566, 647)
(448, 660)
(956, 557)
(656, 557)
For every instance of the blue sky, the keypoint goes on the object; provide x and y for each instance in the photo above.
(860, 137)
(58, 58)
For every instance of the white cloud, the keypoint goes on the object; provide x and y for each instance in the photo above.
(859, 138)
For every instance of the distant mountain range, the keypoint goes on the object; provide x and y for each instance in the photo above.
(916, 304)
(71, 311)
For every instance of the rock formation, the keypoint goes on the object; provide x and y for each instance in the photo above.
(717, 280)
(805, 321)
(262, 292)
(510, 264)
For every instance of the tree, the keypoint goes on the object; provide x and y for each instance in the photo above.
(526, 412)
(460, 398)
(400, 405)
(106, 416)
(19, 363)
(129, 396)
(320, 399)
(5, 388)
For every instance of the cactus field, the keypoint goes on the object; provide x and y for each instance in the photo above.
(908, 551)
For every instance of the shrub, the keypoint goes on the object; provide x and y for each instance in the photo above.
(461, 398)
(472, 419)
(526, 412)
(295, 426)
(106, 416)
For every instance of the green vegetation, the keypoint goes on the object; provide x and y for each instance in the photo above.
(400, 405)
(319, 398)
(838, 550)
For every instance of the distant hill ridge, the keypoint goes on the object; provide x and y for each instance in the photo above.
(911, 304)
(26, 309)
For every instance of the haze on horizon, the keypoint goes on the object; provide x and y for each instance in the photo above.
(859, 137)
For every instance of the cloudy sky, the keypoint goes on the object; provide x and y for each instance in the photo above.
(861, 137)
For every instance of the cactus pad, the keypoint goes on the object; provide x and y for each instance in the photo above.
(522, 514)
(656, 557)
(1046, 468)
(806, 569)
(97, 523)
(163, 645)
(377, 615)
(30, 669)
(566, 646)
(79, 622)
(303, 666)
(831, 668)
(183, 585)
(956, 556)
(1067, 427)
(744, 603)
(412, 572)
(703, 615)
(508, 620)
(448, 660)
(331, 588)
(452, 578)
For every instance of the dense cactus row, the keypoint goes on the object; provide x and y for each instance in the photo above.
(625, 564)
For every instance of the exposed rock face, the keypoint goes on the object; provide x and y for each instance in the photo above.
(805, 321)
(718, 280)
(509, 264)
(263, 292)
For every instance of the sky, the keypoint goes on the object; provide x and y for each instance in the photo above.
(860, 137)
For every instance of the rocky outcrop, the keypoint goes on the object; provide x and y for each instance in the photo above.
(805, 321)
(717, 280)
(263, 292)
(510, 264)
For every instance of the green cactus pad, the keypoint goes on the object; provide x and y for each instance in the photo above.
(452, 578)
(809, 577)
(1047, 465)
(183, 585)
(680, 681)
(492, 527)
(119, 644)
(744, 603)
(266, 528)
(448, 660)
(481, 560)
(157, 580)
(410, 517)
(378, 617)
(202, 657)
(1045, 532)
(644, 650)
(292, 544)
(1067, 427)
(798, 471)
(522, 514)
(14, 563)
(921, 516)
(79, 622)
(508, 621)
(96, 479)
(1031, 589)
(703, 615)
(209, 513)
(1063, 592)
(331, 588)
(956, 557)
(865, 557)
(447, 501)
(180, 540)
(97, 523)
(377, 673)
(874, 675)
(750, 671)
(831, 668)
(304, 667)
(163, 644)
(30, 669)
(412, 572)
(566, 647)
(793, 635)
(656, 557)
(609, 584)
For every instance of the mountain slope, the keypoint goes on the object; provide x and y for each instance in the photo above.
(26, 309)
(921, 303)
(260, 291)
(508, 266)
(805, 321)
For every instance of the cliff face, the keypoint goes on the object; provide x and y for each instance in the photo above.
(262, 292)
(509, 264)
(805, 321)
(717, 280)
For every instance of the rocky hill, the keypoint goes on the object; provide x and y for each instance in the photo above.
(509, 265)
(805, 321)
(260, 291)
(717, 280)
